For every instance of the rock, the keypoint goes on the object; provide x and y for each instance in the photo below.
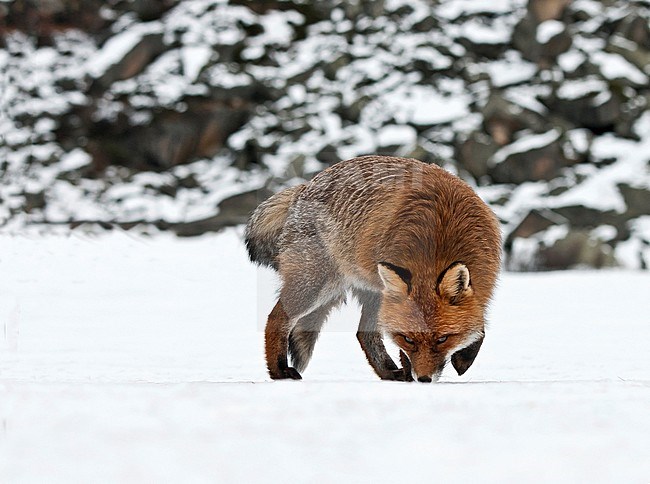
(541, 42)
(132, 63)
(189, 182)
(234, 210)
(630, 51)
(555, 44)
(586, 217)
(473, 154)
(587, 103)
(531, 158)
(328, 155)
(637, 200)
(635, 28)
(577, 250)
(172, 138)
(502, 118)
(44, 19)
(147, 10)
(537, 220)
(352, 112)
(34, 201)
(332, 67)
(484, 48)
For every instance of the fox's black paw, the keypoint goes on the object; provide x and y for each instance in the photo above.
(402, 375)
(288, 373)
(399, 374)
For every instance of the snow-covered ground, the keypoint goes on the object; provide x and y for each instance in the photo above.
(125, 359)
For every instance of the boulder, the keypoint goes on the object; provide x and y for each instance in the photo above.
(587, 217)
(34, 201)
(637, 200)
(631, 52)
(43, 19)
(577, 250)
(473, 154)
(233, 210)
(129, 64)
(502, 119)
(635, 28)
(541, 42)
(172, 138)
(530, 158)
(537, 220)
(587, 103)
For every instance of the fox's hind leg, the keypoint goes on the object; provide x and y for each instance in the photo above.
(311, 285)
(304, 335)
(276, 334)
(371, 341)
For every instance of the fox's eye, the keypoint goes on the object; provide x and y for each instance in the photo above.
(408, 340)
(441, 340)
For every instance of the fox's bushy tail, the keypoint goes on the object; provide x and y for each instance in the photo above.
(265, 226)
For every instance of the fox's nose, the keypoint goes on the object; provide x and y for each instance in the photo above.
(424, 379)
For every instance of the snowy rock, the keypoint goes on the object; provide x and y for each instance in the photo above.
(616, 68)
(537, 220)
(172, 138)
(126, 54)
(231, 211)
(637, 200)
(587, 102)
(541, 42)
(532, 157)
(547, 30)
(143, 112)
(578, 249)
(473, 154)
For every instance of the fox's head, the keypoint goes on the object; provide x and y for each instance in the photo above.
(432, 321)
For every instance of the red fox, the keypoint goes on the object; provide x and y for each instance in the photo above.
(413, 243)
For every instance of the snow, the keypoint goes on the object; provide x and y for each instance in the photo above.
(548, 29)
(140, 359)
(599, 190)
(74, 160)
(571, 60)
(526, 143)
(453, 9)
(511, 71)
(434, 58)
(614, 66)
(397, 135)
(115, 48)
(479, 33)
(194, 59)
(579, 88)
(526, 97)
(579, 139)
(421, 105)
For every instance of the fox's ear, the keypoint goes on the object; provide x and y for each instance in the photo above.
(395, 279)
(463, 359)
(454, 283)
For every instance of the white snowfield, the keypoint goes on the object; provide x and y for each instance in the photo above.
(125, 359)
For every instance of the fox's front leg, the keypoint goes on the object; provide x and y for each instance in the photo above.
(276, 343)
(372, 343)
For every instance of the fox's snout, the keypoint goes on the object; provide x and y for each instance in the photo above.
(423, 368)
(427, 375)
